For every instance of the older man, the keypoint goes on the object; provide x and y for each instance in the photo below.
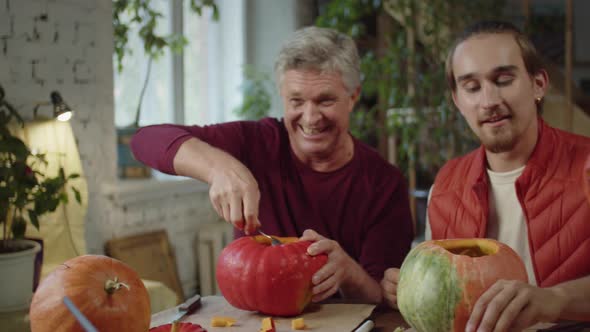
(304, 175)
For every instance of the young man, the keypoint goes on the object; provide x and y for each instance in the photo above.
(522, 186)
(304, 175)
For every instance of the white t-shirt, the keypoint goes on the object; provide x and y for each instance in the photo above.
(506, 222)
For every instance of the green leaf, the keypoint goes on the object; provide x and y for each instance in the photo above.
(77, 195)
(34, 219)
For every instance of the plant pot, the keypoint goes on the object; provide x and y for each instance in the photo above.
(127, 165)
(38, 262)
(16, 275)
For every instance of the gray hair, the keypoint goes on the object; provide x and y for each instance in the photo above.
(320, 49)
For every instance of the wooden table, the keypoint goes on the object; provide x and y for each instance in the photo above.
(387, 320)
(15, 321)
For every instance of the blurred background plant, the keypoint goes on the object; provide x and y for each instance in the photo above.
(256, 88)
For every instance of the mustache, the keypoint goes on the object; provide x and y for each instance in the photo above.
(492, 115)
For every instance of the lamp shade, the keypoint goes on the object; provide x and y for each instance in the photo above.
(61, 110)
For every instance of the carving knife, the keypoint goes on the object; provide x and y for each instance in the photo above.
(187, 308)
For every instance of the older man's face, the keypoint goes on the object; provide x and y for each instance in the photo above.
(317, 108)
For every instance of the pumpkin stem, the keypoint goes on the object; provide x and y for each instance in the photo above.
(110, 286)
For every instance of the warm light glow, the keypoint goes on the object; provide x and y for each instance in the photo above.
(65, 116)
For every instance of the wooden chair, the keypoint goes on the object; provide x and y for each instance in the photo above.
(151, 256)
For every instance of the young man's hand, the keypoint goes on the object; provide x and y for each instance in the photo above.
(511, 305)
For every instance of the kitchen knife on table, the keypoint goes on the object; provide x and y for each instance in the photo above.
(187, 308)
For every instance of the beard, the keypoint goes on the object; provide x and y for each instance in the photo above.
(499, 140)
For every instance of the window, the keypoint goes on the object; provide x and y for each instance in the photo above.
(200, 86)
(157, 102)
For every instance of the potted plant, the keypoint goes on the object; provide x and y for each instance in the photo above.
(141, 13)
(26, 194)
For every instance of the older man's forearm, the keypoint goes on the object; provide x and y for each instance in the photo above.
(362, 287)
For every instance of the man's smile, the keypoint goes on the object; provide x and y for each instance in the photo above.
(312, 131)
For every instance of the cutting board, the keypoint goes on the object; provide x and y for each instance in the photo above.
(318, 317)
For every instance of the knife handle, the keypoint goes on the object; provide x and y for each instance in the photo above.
(191, 304)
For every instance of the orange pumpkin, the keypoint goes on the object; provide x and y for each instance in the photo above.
(441, 280)
(108, 292)
(275, 280)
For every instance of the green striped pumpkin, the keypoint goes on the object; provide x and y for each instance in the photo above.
(441, 280)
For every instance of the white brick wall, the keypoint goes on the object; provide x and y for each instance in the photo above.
(67, 45)
(179, 207)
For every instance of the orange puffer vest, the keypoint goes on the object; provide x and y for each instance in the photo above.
(550, 193)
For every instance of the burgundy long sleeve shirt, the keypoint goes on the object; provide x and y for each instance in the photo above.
(363, 205)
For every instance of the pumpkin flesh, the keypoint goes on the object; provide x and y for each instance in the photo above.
(440, 281)
(275, 280)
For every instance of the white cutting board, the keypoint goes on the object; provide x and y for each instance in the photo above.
(318, 317)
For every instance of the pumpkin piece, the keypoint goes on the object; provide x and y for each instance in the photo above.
(268, 325)
(107, 291)
(253, 275)
(440, 281)
(298, 324)
(178, 327)
(221, 321)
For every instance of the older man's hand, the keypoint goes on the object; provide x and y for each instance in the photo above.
(235, 195)
(389, 286)
(337, 270)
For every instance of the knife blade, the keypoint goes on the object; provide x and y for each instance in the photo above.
(86, 324)
(187, 308)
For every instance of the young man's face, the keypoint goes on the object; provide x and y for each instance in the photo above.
(495, 93)
(317, 108)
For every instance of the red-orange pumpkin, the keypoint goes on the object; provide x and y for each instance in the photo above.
(180, 327)
(440, 281)
(107, 291)
(586, 178)
(274, 280)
